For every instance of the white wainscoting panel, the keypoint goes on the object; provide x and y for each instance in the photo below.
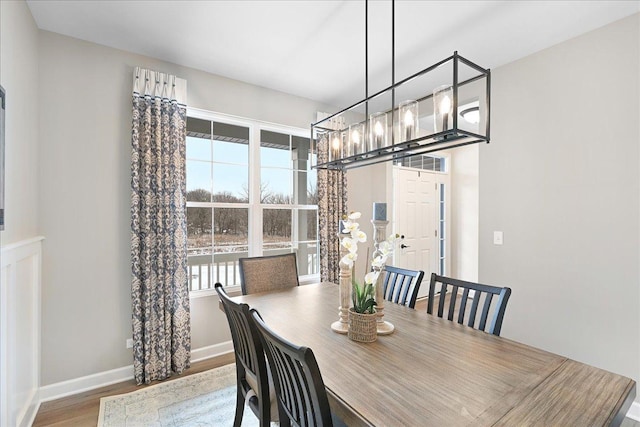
(20, 279)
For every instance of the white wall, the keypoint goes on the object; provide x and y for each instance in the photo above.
(561, 179)
(20, 266)
(19, 77)
(464, 209)
(85, 118)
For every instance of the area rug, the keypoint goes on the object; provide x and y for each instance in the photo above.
(204, 399)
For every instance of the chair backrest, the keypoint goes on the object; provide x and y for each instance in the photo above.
(479, 290)
(300, 390)
(401, 286)
(251, 365)
(268, 273)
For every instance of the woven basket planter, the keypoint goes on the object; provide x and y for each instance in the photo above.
(362, 327)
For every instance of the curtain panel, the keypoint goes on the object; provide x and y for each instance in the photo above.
(159, 287)
(332, 205)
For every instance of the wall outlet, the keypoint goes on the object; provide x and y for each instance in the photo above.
(129, 342)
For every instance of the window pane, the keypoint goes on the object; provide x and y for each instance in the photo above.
(230, 183)
(199, 245)
(307, 224)
(229, 132)
(275, 157)
(199, 195)
(276, 228)
(231, 227)
(300, 187)
(312, 188)
(276, 186)
(275, 149)
(198, 175)
(308, 257)
(301, 152)
(198, 148)
(199, 230)
(231, 152)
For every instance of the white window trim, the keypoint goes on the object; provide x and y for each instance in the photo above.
(255, 241)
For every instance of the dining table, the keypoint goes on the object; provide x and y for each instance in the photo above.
(435, 372)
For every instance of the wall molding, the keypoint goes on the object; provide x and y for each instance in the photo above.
(20, 308)
(102, 379)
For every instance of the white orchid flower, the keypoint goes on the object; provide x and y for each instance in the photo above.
(393, 237)
(378, 262)
(371, 277)
(350, 227)
(354, 215)
(349, 259)
(359, 236)
(350, 244)
(385, 247)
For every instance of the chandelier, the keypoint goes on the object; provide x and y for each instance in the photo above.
(443, 106)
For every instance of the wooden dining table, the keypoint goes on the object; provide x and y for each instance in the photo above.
(435, 372)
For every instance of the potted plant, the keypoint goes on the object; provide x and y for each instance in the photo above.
(362, 315)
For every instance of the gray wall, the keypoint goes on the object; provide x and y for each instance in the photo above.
(85, 122)
(19, 77)
(561, 180)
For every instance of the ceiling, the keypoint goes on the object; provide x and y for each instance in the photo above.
(315, 49)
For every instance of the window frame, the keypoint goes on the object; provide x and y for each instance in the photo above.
(255, 208)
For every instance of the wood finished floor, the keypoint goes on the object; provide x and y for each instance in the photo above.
(82, 409)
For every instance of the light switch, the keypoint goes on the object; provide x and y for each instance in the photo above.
(497, 237)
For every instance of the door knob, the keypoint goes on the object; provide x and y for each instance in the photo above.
(402, 246)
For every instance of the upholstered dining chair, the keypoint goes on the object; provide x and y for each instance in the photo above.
(254, 385)
(401, 285)
(496, 313)
(302, 397)
(268, 273)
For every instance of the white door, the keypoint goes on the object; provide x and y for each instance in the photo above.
(415, 214)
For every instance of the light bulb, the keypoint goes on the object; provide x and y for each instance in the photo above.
(408, 118)
(445, 105)
(377, 129)
(355, 137)
(335, 144)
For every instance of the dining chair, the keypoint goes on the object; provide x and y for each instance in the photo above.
(254, 385)
(268, 273)
(478, 290)
(302, 397)
(401, 285)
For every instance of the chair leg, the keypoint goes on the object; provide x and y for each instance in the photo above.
(237, 421)
(265, 418)
(284, 418)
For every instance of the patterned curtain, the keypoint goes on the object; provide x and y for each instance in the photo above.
(332, 195)
(159, 288)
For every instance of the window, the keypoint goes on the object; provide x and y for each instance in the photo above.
(424, 162)
(250, 192)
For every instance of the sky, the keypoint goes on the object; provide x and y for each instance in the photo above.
(230, 172)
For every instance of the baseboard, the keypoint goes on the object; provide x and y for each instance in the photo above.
(101, 379)
(82, 384)
(634, 411)
(31, 411)
(211, 351)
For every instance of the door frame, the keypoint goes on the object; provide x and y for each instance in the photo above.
(440, 178)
